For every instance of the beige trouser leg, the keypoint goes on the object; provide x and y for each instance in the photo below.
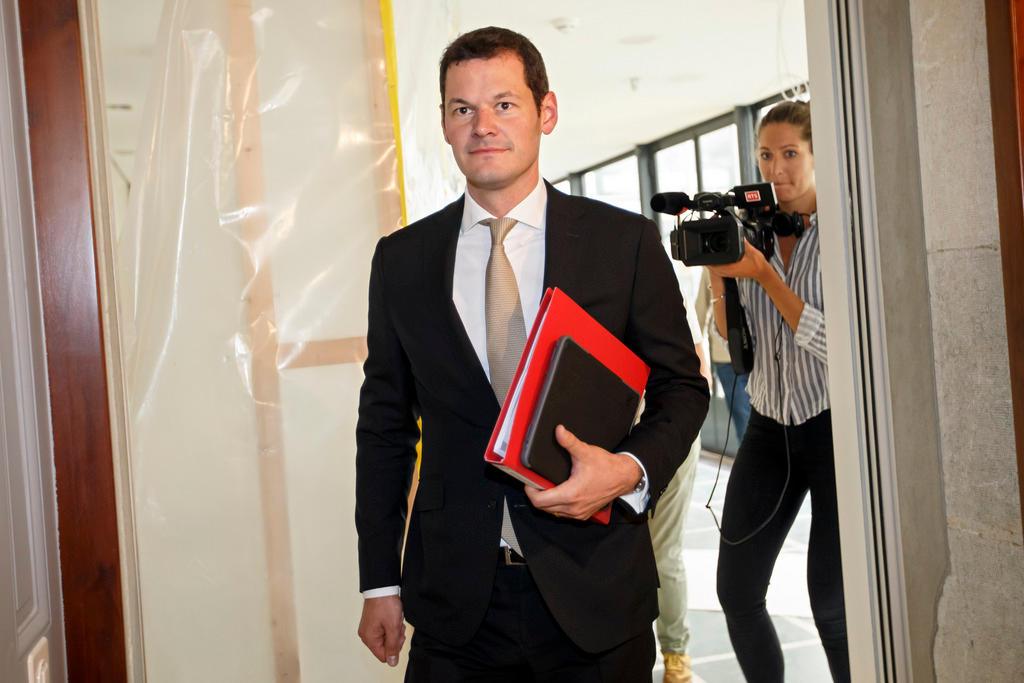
(667, 527)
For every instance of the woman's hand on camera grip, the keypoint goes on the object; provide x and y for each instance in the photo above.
(751, 265)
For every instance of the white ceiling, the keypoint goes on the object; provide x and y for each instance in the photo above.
(627, 74)
(128, 31)
(633, 72)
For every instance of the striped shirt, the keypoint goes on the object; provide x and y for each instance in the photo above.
(801, 392)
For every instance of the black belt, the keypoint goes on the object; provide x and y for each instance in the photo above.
(509, 557)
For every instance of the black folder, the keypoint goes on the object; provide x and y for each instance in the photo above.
(584, 396)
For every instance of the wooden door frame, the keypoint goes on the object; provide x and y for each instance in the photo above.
(55, 97)
(1005, 28)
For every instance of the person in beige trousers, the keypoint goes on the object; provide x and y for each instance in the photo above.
(668, 522)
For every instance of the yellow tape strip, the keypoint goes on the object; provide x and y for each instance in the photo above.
(387, 19)
(391, 63)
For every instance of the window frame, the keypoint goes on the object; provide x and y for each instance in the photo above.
(745, 119)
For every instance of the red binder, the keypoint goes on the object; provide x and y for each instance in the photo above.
(558, 315)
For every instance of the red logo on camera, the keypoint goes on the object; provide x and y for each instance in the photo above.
(752, 196)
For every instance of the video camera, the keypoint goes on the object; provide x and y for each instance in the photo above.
(745, 211)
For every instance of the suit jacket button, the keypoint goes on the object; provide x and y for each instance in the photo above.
(491, 504)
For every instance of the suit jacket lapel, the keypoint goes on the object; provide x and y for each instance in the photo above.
(439, 260)
(564, 242)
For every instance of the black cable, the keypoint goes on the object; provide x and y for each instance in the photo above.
(721, 457)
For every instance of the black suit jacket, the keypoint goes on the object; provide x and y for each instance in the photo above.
(599, 581)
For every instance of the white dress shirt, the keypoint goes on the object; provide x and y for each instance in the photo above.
(524, 246)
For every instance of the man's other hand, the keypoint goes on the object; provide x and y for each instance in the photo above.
(382, 629)
(598, 477)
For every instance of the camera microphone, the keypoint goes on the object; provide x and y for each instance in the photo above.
(671, 202)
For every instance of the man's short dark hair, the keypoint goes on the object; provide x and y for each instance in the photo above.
(485, 43)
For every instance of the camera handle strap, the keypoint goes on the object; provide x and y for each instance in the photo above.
(741, 348)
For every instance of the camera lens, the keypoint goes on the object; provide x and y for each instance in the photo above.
(714, 242)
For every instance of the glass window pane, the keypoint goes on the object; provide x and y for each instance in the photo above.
(677, 168)
(563, 186)
(720, 159)
(677, 172)
(617, 184)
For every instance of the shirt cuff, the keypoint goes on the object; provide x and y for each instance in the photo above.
(811, 320)
(381, 592)
(637, 499)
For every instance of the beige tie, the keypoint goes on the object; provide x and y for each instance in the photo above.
(506, 332)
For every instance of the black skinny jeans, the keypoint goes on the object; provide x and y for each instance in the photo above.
(755, 484)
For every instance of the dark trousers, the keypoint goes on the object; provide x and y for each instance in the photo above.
(755, 485)
(519, 641)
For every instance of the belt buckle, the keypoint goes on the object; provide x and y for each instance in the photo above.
(509, 560)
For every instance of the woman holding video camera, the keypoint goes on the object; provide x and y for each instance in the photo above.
(786, 451)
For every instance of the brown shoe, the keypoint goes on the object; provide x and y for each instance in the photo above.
(677, 668)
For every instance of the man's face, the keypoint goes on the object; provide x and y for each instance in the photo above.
(491, 121)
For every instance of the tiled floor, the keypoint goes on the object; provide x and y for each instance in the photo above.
(710, 650)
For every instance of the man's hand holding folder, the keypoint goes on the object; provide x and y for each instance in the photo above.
(598, 478)
(597, 475)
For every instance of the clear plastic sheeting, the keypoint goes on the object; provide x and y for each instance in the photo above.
(265, 174)
(422, 31)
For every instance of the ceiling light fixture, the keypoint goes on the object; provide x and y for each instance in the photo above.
(565, 24)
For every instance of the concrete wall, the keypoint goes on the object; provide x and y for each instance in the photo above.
(980, 620)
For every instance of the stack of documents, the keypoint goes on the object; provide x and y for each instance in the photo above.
(572, 372)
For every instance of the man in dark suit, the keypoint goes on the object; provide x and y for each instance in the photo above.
(502, 583)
